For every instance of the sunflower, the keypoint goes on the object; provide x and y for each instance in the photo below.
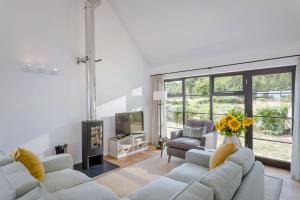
(217, 126)
(247, 121)
(223, 125)
(234, 124)
(223, 120)
(228, 117)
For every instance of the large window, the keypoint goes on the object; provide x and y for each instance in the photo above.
(266, 95)
(272, 110)
(174, 105)
(197, 104)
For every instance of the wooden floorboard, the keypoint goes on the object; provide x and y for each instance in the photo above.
(130, 160)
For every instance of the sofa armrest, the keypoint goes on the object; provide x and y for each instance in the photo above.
(198, 157)
(176, 134)
(209, 140)
(57, 162)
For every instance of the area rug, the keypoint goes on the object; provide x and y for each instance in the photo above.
(272, 187)
(127, 180)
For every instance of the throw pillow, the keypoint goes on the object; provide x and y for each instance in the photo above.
(194, 132)
(220, 155)
(31, 162)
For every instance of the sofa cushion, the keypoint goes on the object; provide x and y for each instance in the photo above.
(63, 179)
(187, 172)
(86, 191)
(57, 162)
(194, 191)
(198, 157)
(163, 188)
(194, 132)
(224, 180)
(6, 192)
(252, 186)
(14, 167)
(5, 159)
(243, 157)
(19, 178)
(184, 143)
(37, 194)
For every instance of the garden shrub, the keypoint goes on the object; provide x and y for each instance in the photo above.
(229, 100)
(269, 124)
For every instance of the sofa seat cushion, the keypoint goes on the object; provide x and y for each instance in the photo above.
(194, 191)
(184, 143)
(224, 180)
(86, 191)
(19, 178)
(243, 157)
(64, 179)
(37, 194)
(187, 172)
(163, 188)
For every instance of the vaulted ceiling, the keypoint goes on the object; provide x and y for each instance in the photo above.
(167, 31)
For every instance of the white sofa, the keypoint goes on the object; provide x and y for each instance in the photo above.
(240, 177)
(61, 182)
(236, 179)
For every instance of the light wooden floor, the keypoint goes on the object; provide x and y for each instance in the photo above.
(130, 160)
(290, 188)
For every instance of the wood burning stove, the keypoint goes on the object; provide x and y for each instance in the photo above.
(92, 143)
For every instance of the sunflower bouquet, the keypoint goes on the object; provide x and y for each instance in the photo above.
(234, 123)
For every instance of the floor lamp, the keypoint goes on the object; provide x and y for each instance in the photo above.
(159, 96)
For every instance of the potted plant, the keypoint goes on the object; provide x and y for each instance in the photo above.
(232, 126)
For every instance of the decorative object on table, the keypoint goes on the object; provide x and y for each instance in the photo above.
(220, 155)
(61, 149)
(159, 96)
(232, 126)
(30, 161)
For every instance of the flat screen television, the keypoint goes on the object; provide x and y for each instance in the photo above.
(129, 123)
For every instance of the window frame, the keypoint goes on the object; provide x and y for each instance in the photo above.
(248, 104)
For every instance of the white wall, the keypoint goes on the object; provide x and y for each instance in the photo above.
(121, 77)
(244, 55)
(40, 111)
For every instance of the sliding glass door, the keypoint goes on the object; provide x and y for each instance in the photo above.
(272, 109)
(174, 105)
(266, 95)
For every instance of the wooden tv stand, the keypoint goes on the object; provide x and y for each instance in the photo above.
(129, 145)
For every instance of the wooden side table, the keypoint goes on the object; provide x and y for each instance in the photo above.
(161, 143)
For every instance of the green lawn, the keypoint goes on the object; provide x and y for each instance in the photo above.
(275, 150)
